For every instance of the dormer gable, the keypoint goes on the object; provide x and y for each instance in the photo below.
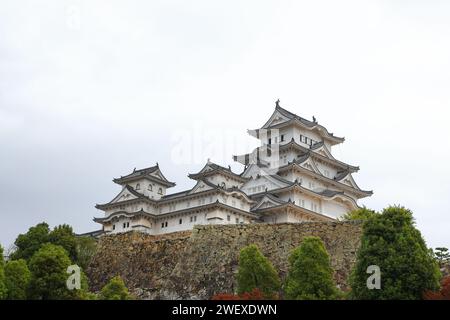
(268, 201)
(201, 186)
(124, 195)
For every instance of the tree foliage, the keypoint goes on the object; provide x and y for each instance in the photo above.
(256, 272)
(48, 268)
(310, 274)
(64, 236)
(442, 294)
(359, 214)
(115, 289)
(27, 244)
(391, 242)
(442, 255)
(3, 290)
(255, 294)
(17, 279)
(86, 248)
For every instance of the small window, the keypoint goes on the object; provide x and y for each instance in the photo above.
(150, 187)
(114, 227)
(180, 221)
(162, 225)
(237, 220)
(160, 191)
(228, 218)
(124, 225)
(128, 224)
(165, 225)
(270, 141)
(138, 187)
(282, 137)
(195, 218)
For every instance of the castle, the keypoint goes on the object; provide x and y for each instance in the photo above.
(291, 177)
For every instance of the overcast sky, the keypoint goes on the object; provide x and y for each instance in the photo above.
(91, 89)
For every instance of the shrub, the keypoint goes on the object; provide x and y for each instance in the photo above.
(256, 272)
(115, 289)
(310, 274)
(3, 291)
(443, 294)
(48, 268)
(391, 242)
(17, 279)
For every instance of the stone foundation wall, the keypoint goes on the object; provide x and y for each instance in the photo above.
(200, 263)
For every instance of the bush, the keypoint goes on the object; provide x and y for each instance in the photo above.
(115, 289)
(255, 294)
(358, 214)
(3, 290)
(443, 294)
(256, 272)
(391, 242)
(310, 274)
(48, 268)
(17, 279)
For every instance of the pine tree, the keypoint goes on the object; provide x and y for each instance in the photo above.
(115, 289)
(310, 274)
(391, 242)
(256, 272)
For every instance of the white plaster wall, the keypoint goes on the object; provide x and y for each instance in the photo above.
(221, 180)
(144, 188)
(334, 209)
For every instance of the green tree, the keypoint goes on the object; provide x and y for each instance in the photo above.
(86, 248)
(17, 279)
(3, 290)
(310, 275)
(64, 236)
(27, 244)
(442, 256)
(48, 268)
(359, 214)
(256, 272)
(391, 242)
(115, 289)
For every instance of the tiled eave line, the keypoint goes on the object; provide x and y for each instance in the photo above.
(232, 175)
(294, 206)
(214, 205)
(181, 196)
(123, 180)
(302, 189)
(293, 165)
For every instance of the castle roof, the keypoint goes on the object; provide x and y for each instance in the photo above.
(151, 173)
(208, 206)
(286, 118)
(305, 153)
(211, 168)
